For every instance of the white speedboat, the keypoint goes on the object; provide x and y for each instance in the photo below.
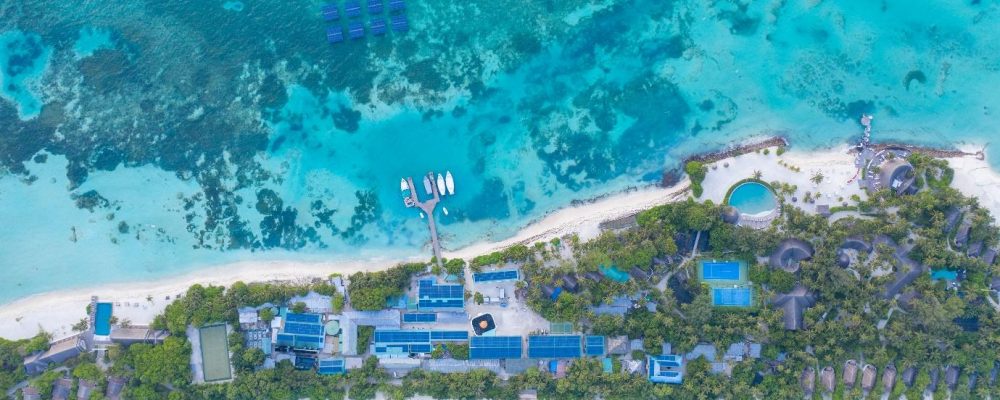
(441, 188)
(404, 187)
(445, 209)
(427, 185)
(421, 215)
(449, 183)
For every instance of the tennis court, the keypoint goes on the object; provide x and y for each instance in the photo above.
(720, 270)
(215, 353)
(734, 297)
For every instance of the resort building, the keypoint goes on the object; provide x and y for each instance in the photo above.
(794, 305)
(850, 373)
(58, 352)
(828, 379)
(789, 253)
(897, 175)
(665, 369)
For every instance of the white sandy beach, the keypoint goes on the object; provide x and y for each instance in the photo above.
(55, 312)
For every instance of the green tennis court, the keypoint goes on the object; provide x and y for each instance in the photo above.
(215, 353)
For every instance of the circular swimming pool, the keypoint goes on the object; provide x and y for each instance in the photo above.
(753, 198)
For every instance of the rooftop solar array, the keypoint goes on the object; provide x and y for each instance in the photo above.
(413, 318)
(562, 346)
(495, 276)
(374, 6)
(331, 366)
(301, 317)
(665, 369)
(303, 331)
(432, 295)
(494, 347)
(449, 336)
(331, 12)
(594, 346)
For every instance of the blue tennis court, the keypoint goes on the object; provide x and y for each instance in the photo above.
(554, 346)
(721, 270)
(494, 347)
(307, 318)
(496, 276)
(331, 367)
(737, 297)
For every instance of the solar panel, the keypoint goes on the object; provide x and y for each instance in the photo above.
(307, 318)
(286, 339)
(494, 347)
(334, 34)
(356, 30)
(495, 276)
(297, 328)
(399, 23)
(402, 336)
(595, 345)
(331, 12)
(440, 296)
(374, 6)
(446, 336)
(377, 26)
(352, 8)
(419, 317)
(396, 5)
(567, 346)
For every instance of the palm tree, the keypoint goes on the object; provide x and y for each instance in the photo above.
(817, 178)
(757, 174)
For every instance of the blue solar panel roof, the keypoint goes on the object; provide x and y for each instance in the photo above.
(444, 336)
(561, 346)
(402, 336)
(374, 6)
(396, 5)
(298, 328)
(419, 317)
(495, 276)
(594, 345)
(307, 318)
(494, 347)
(432, 295)
(352, 8)
(331, 12)
(400, 23)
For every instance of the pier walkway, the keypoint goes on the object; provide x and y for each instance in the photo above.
(428, 208)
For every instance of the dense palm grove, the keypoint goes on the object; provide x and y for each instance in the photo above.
(843, 324)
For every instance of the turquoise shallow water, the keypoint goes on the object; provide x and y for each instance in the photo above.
(752, 198)
(149, 138)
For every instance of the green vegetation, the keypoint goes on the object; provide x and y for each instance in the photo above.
(369, 290)
(337, 303)
(515, 253)
(365, 336)
(458, 351)
(11, 357)
(697, 172)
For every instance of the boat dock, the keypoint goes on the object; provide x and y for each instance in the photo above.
(428, 208)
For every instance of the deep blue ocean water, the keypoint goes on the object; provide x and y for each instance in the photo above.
(144, 139)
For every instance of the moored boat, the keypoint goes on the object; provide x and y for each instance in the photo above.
(427, 185)
(404, 187)
(449, 183)
(440, 182)
(445, 209)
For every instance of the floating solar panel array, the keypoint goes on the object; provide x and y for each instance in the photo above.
(356, 26)
(432, 295)
(494, 347)
(496, 276)
(415, 318)
(561, 346)
(594, 346)
(331, 366)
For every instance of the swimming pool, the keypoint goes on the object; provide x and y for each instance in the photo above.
(753, 198)
(613, 273)
(102, 319)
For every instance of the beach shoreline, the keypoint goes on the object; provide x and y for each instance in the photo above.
(57, 311)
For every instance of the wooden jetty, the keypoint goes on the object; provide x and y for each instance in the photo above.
(428, 208)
